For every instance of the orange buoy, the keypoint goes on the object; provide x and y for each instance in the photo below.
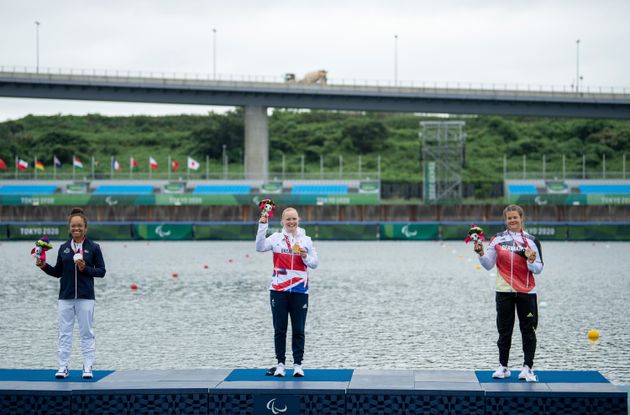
(175, 275)
(205, 266)
(134, 286)
(592, 334)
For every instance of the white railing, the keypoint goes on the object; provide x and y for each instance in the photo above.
(278, 80)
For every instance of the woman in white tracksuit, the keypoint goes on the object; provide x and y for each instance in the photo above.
(293, 254)
(79, 261)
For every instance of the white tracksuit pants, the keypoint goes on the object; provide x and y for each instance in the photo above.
(83, 310)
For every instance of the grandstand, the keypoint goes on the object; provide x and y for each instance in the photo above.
(570, 192)
(142, 187)
(27, 189)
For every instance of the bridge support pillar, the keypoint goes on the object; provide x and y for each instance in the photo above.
(256, 143)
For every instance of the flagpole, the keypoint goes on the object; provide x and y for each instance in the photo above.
(73, 167)
(130, 167)
(207, 167)
(16, 168)
(35, 168)
(169, 167)
(188, 169)
(54, 168)
(111, 166)
(92, 167)
(150, 169)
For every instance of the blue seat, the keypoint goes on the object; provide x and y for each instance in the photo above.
(124, 190)
(28, 189)
(304, 189)
(611, 189)
(236, 189)
(522, 189)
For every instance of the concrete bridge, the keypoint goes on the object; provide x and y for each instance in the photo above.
(257, 95)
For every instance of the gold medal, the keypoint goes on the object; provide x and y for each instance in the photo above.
(296, 248)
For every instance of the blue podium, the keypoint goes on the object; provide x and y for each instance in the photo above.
(321, 391)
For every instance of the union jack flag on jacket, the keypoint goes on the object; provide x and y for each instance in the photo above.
(290, 270)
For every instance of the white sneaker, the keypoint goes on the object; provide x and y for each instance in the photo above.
(62, 373)
(501, 373)
(298, 372)
(280, 370)
(527, 375)
(87, 372)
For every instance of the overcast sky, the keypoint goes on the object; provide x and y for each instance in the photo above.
(491, 41)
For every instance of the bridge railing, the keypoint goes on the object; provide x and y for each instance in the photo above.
(205, 79)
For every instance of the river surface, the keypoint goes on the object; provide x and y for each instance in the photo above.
(376, 305)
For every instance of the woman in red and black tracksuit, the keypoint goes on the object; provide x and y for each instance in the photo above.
(293, 254)
(518, 257)
(79, 261)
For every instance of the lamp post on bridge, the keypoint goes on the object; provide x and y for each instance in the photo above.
(37, 45)
(395, 60)
(577, 75)
(214, 53)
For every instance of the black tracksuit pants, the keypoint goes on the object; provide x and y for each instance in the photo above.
(283, 305)
(526, 306)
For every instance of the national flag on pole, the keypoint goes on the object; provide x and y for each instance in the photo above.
(39, 165)
(76, 162)
(3, 165)
(56, 162)
(21, 164)
(175, 165)
(152, 163)
(116, 165)
(193, 164)
(133, 163)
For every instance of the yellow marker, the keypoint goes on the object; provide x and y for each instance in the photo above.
(593, 334)
(477, 267)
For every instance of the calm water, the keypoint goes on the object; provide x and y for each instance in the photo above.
(372, 305)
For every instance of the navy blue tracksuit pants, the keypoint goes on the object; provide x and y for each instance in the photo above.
(283, 305)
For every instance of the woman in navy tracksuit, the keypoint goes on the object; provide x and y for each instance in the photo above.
(79, 261)
(293, 254)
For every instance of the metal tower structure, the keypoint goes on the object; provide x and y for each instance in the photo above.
(443, 160)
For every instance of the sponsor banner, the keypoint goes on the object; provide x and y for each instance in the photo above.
(429, 183)
(163, 232)
(599, 232)
(371, 186)
(236, 232)
(544, 232)
(343, 232)
(109, 232)
(187, 200)
(329, 231)
(34, 232)
(548, 232)
(409, 231)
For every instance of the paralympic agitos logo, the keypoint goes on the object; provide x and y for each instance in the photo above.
(276, 409)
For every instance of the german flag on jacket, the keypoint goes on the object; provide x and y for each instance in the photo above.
(290, 270)
(507, 251)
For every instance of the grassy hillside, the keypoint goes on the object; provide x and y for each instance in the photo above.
(393, 137)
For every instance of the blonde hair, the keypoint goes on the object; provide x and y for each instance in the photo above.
(290, 209)
(514, 208)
